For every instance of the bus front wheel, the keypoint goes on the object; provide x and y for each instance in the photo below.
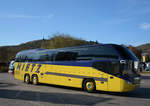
(35, 79)
(27, 79)
(89, 85)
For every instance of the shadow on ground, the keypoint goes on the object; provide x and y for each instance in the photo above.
(145, 77)
(142, 92)
(57, 98)
(3, 84)
(139, 93)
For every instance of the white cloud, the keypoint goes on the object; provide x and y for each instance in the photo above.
(145, 26)
(21, 16)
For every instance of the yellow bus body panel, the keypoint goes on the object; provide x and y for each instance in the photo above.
(71, 76)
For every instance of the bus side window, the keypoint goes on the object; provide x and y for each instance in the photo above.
(98, 66)
(112, 68)
(26, 59)
(115, 68)
(66, 56)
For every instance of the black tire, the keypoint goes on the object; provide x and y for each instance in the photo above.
(89, 85)
(35, 80)
(27, 79)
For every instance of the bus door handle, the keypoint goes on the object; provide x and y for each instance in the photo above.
(111, 77)
(42, 74)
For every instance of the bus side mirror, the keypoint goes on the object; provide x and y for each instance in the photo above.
(122, 61)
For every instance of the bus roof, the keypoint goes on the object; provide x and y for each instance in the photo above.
(59, 49)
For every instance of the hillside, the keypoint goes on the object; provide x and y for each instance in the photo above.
(144, 47)
(28, 45)
(7, 53)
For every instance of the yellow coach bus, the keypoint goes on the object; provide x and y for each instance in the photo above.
(106, 67)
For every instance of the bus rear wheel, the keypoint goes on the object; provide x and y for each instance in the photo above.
(35, 79)
(89, 85)
(27, 79)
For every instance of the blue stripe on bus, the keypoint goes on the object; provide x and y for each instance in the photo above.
(69, 63)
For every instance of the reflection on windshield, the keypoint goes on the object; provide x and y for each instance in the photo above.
(125, 53)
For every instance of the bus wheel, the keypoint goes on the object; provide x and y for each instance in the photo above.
(89, 85)
(27, 79)
(35, 79)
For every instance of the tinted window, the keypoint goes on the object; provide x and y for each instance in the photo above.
(108, 67)
(97, 52)
(66, 56)
(132, 55)
(125, 53)
(122, 52)
(47, 56)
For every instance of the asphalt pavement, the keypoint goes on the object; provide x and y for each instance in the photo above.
(16, 93)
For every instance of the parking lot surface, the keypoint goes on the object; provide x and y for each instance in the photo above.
(16, 93)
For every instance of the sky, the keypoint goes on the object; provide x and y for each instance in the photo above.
(107, 21)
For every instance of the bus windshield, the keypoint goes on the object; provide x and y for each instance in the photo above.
(125, 53)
